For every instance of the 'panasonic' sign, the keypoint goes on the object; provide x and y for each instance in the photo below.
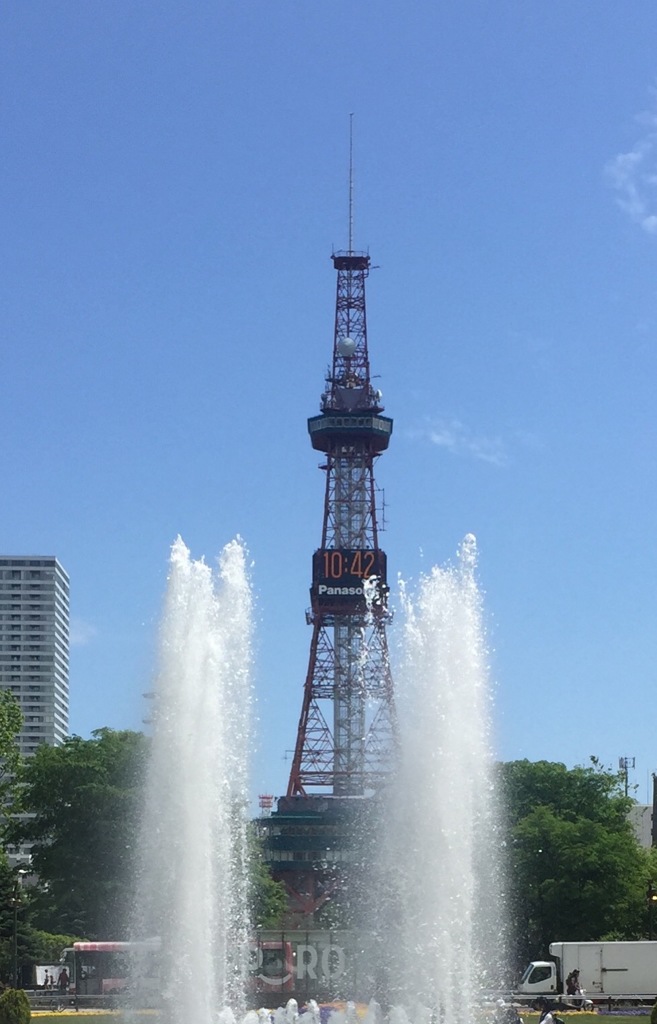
(339, 591)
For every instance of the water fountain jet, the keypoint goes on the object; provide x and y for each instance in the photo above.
(193, 878)
(444, 921)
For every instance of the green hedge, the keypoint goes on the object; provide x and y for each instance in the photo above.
(14, 1007)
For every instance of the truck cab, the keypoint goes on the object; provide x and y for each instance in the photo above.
(539, 979)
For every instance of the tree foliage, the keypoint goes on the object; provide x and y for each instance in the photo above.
(85, 802)
(268, 897)
(11, 721)
(14, 1007)
(13, 900)
(85, 799)
(32, 946)
(575, 869)
(46, 948)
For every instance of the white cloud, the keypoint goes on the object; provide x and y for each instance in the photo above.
(460, 440)
(81, 633)
(633, 175)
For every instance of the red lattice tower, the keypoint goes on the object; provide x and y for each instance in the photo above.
(345, 736)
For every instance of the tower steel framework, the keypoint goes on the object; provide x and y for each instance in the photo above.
(346, 732)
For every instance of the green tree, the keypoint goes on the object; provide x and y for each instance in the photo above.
(46, 948)
(11, 721)
(14, 1007)
(85, 799)
(575, 868)
(268, 897)
(32, 946)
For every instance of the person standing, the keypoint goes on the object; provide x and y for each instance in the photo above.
(546, 1016)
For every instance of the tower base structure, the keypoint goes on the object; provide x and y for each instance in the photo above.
(320, 847)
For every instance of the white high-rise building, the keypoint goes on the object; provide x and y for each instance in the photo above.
(34, 646)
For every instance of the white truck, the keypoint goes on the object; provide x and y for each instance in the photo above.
(606, 970)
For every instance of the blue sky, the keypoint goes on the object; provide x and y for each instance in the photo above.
(173, 180)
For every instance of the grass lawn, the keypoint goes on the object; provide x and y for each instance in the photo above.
(95, 1016)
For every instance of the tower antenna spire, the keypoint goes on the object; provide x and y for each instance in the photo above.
(351, 183)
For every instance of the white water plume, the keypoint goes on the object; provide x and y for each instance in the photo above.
(193, 878)
(444, 865)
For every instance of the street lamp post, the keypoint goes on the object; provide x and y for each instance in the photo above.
(15, 902)
(14, 947)
(651, 897)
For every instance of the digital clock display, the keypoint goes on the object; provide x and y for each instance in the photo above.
(340, 577)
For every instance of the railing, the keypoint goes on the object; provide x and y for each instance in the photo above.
(562, 1001)
(54, 1000)
(49, 999)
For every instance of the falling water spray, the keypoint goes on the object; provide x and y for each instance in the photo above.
(442, 856)
(193, 881)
